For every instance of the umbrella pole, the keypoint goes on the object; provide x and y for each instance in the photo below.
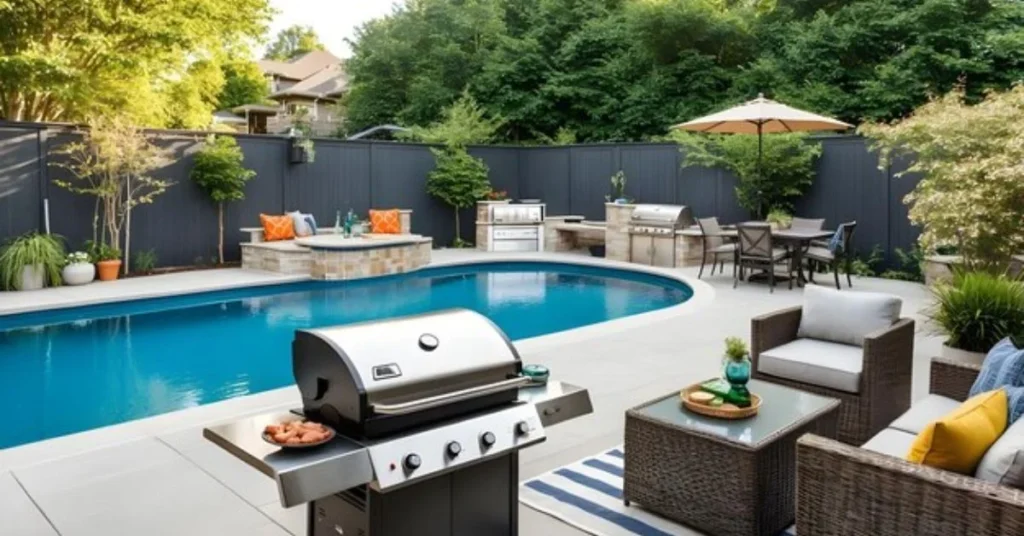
(760, 175)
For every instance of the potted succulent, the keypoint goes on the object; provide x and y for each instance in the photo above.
(779, 219)
(78, 269)
(737, 369)
(975, 310)
(619, 188)
(108, 260)
(31, 261)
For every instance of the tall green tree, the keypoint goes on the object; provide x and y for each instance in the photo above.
(69, 59)
(292, 42)
(244, 83)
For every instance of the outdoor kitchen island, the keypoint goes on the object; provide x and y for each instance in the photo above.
(334, 257)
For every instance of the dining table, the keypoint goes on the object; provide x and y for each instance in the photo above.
(798, 240)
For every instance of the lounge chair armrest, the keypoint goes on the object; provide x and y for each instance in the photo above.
(773, 330)
(888, 369)
(952, 379)
(842, 489)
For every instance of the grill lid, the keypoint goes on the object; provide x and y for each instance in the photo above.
(380, 377)
(677, 216)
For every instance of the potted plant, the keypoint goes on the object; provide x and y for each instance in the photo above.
(108, 261)
(302, 150)
(737, 369)
(975, 310)
(779, 219)
(619, 188)
(30, 261)
(497, 197)
(78, 269)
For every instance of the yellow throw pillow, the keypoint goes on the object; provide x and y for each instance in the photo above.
(958, 441)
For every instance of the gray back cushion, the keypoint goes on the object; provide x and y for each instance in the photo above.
(1004, 462)
(846, 316)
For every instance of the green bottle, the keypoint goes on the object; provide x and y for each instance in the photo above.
(349, 218)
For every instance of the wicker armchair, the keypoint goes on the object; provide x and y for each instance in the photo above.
(884, 392)
(845, 490)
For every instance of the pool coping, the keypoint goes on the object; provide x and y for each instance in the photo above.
(48, 450)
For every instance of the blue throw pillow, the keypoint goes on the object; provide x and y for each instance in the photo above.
(835, 244)
(310, 221)
(1004, 367)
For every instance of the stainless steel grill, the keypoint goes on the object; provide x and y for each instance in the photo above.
(652, 233)
(517, 227)
(430, 410)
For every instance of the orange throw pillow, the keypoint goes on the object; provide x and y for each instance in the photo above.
(386, 221)
(277, 227)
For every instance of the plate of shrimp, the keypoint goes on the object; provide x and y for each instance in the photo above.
(298, 434)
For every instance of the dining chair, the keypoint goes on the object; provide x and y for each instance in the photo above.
(831, 256)
(755, 251)
(807, 224)
(714, 245)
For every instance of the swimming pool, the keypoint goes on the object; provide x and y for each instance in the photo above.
(66, 371)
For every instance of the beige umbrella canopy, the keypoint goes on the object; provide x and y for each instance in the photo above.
(762, 116)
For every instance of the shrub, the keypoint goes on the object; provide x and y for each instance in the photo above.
(460, 180)
(144, 261)
(31, 249)
(787, 165)
(779, 217)
(971, 194)
(977, 309)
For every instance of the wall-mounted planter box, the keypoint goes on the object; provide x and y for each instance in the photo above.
(299, 153)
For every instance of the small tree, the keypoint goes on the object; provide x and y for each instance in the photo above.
(786, 169)
(113, 162)
(972, 161)
(218, 170)
(459, 180)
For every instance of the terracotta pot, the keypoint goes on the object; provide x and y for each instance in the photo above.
(108, 269)
(962, 356)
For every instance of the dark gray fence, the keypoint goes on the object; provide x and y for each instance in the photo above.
(181, 226)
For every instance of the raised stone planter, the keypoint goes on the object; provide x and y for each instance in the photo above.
(284, 257)
(938, 268)
(335, 258)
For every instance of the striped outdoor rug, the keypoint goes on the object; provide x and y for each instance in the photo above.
(588, 495)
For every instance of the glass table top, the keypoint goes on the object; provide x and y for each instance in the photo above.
(781, 408)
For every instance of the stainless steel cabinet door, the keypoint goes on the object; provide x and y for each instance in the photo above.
(641, 249)
(664, 252)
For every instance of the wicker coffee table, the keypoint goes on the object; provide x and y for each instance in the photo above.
(719, 476)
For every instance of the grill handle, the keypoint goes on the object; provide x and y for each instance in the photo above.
(454, 396)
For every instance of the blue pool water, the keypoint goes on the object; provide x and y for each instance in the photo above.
(77, 369)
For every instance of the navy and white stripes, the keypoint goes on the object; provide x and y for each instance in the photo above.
(588, 495)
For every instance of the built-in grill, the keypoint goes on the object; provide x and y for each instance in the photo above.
(516, 227)
(431, 411)
(652, 233)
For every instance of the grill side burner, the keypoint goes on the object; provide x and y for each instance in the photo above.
(652, 233)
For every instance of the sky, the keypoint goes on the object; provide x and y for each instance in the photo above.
(333, 20)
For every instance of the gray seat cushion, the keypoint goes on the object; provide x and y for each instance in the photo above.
(725, 248)
(891, 442)
(821, 363)
(821, 254)
(924, 411)
(1004, 461)
(846, 317)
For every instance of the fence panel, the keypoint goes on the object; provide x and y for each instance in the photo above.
(591, 170)
(20, 197)
(544, 174)
(337, 180)
(399, 175)
(650, 172)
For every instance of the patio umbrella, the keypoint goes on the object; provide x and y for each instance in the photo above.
(762, 116)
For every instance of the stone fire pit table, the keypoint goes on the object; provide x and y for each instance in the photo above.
(335, 257)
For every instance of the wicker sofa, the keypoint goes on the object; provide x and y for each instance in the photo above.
(852, 491)
(880, 390)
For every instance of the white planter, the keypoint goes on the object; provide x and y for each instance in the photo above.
(79, 273)
(962, 356)
(32, 278)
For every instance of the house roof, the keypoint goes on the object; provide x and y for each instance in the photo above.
(225, 116)
(331, 81)
(301, 67)
(255, 109)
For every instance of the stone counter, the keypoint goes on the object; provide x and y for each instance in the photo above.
(336, 258)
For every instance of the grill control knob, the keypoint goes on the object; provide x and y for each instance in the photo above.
(412, 462)
(487, 439)
(453, 449)
(522, 428)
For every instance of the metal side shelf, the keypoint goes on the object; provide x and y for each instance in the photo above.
(557, 401)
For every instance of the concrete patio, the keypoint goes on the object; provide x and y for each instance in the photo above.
(159, 476)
